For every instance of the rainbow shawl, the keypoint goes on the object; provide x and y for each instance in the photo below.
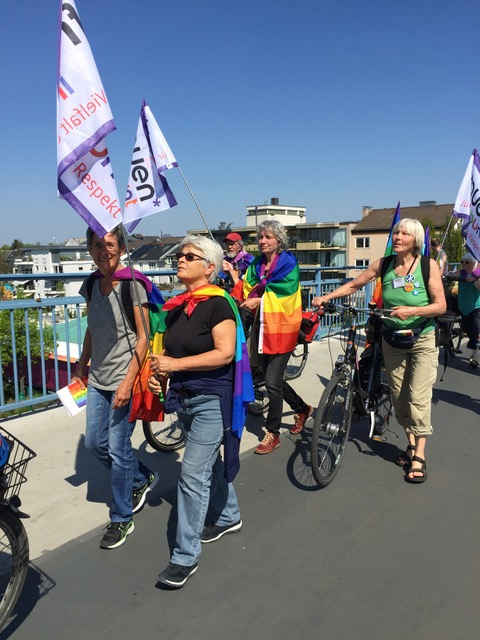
(145, 405)
(243, 392)
(281, 306)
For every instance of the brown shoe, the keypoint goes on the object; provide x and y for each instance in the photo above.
(300, 419)
(270, 442)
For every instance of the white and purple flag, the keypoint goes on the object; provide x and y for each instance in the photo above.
(148, 191)
(467, 205)
(84, 119)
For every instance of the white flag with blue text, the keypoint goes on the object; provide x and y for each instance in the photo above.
(84, 119)
(148, 191)
(467, 205)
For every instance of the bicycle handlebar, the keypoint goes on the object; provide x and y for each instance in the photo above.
(330, 307)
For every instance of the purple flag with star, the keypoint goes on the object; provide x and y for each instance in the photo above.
(148, 191)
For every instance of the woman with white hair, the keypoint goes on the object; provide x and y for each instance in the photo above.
(410, 362)
(206, 361)
(469, 303)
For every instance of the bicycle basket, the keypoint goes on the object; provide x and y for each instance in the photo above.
(13, 473)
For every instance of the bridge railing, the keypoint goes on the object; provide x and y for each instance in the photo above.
(40, 340)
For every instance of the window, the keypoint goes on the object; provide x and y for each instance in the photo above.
(362, 243)
(362, 263)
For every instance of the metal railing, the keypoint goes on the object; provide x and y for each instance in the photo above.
(41, 339)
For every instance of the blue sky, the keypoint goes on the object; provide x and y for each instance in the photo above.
(325, 105)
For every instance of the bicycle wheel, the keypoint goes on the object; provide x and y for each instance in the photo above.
(166, 435)
(297, 361)
(260, 404)
(381, 412)
(13, 562)
(331, 428)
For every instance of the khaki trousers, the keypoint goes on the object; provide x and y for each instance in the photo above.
(411, 375)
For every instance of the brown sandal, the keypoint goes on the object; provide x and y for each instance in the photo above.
(403, 459)
(422, 470)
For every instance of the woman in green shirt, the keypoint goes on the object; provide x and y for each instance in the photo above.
(411, 372)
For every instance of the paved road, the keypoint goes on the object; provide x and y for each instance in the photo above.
(370, 557)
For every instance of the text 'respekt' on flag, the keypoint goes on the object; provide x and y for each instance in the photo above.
(148, 191)
(84, 119)
(467, 205)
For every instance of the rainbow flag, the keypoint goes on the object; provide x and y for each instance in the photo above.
(243, 392)
(281, 306)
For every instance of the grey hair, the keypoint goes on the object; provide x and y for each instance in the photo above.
(415, 229)
(117, 232)
(468, 256)
(212, 252)
(277, 230)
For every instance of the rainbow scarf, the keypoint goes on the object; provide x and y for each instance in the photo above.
(145, 405)
(281, 306)
(243, 392)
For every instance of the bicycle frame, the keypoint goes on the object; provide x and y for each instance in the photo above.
(364, 399)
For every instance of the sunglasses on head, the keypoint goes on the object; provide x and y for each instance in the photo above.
(189, 257)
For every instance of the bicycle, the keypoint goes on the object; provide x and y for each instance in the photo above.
(14, 549)
(357, 389)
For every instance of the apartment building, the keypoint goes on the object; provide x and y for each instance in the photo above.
(370, 235)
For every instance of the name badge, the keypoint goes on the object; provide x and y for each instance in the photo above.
(398, 283)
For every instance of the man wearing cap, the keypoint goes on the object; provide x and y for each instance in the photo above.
(236, 260)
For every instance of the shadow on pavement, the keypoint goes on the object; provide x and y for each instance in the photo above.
(299, 470)
(456, 399)
(37, 585)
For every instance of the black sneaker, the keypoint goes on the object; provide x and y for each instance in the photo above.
(116, 534)
(139, 495)
(176, 575)
(215, 532)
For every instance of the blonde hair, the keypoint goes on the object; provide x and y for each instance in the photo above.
(414, 228)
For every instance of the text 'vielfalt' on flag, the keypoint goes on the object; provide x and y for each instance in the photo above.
(84, 172)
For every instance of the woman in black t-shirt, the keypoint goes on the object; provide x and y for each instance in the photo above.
(199, 350)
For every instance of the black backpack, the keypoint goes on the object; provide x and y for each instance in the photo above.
(424, 263)
(125, 295)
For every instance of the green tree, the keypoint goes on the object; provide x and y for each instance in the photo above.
(20, 322)
(454, 244)
(5, 267)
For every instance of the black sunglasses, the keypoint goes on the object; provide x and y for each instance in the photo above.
(465, 261)
(189, 257)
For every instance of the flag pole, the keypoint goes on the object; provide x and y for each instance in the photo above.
(196, 203)
(446, 233)
(136, 295)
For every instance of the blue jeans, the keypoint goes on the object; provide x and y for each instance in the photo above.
(108, 437)
(202, 485)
